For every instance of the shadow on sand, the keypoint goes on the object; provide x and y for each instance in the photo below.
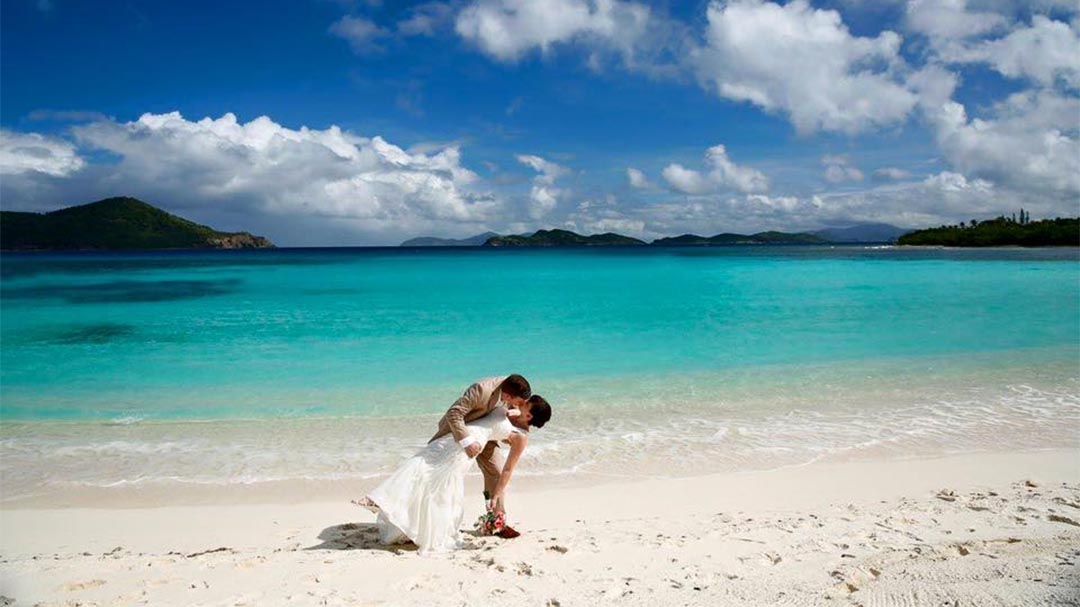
(357, 536)
(365, 536)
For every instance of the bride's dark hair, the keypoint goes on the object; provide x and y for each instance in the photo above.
(540, 410)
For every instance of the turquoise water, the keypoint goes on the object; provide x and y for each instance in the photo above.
(119, 354)
(250, 334)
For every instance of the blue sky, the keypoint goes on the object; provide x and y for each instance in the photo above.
(338, 123)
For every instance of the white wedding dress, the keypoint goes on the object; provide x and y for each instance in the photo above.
(423, 500)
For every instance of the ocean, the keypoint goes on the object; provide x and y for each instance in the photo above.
(237, 368)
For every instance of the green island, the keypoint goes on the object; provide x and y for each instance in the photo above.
(561, 238)
(865, 233)
(1000, 231)
(114, 224)
(566, 238)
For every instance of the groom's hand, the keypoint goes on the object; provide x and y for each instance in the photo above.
(473, 450)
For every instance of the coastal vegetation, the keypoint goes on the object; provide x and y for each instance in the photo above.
(115, 224)
(1000, 231)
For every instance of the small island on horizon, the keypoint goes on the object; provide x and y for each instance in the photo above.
(561, 238)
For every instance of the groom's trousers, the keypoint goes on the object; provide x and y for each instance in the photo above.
(491, 461)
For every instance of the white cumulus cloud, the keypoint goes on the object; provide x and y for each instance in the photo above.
(637, 179)
(508, 29)
(722, 174)
(329, 171)
(1029, 143)
(325, 183)
(1046, 52)
(805, 63)
(838, 168)
(945, 22)
(543, 196)
(31, 152)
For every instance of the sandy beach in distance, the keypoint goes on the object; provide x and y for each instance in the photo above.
(976, 529)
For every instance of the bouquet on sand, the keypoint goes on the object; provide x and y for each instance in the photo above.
(494, 523)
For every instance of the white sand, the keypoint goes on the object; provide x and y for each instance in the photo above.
(1005, 531)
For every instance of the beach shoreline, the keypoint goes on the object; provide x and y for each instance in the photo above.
(802, 535)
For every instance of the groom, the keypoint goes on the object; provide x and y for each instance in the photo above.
(476, 402)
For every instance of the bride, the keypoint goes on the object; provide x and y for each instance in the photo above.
(423, 500)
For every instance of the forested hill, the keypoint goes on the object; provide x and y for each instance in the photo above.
(115, 224)
(999, 232)
(561, 238)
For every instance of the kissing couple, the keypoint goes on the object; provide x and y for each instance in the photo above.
(423, 501)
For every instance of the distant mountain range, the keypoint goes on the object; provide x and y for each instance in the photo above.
(862, 233)
(115, 224)
(692, 240)
(431, 241)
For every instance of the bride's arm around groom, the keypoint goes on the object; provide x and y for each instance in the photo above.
(478, 400)
(518, 441)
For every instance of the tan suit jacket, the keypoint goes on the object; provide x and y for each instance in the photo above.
(476, 402)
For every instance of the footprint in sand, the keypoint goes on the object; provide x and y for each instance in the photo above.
(73, 586)
(252, 562)
(1065, 502)
(852, 582)
(158, 582)
(485, 562)
(763, 558)
(947, 495)
(1062, 519)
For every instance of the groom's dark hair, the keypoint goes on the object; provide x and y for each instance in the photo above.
(516, 385)
(541, 411)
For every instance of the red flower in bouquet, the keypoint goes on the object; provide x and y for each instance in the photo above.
(490, 523)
